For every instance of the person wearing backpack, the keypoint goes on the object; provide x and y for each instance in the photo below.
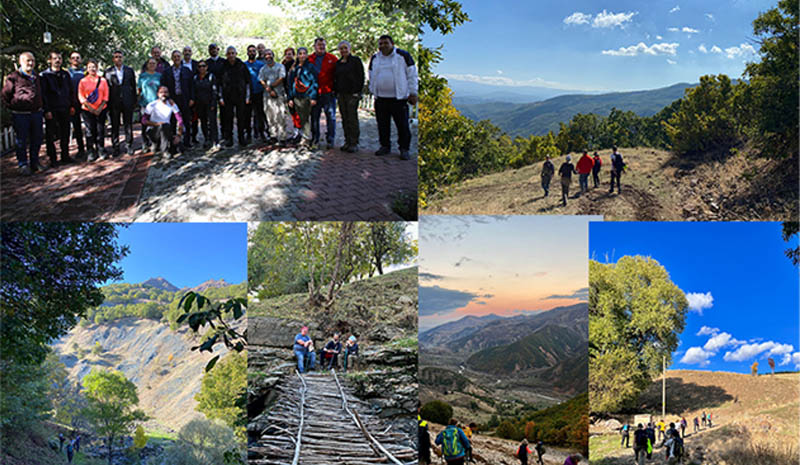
(566, 171)
(626, 436)
(651, 440)
(93, 96)
(709, 419)
(640, 444)
(303, 84)
(617, 167)
(673, 448)
(696, 424)
(424, 440)
(547, 174)
(522, 452)
(539, 452)
(454, 444)
(598, 162)
(70, 451)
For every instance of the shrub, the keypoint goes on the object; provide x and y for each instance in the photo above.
(202, 442)
(437, 411)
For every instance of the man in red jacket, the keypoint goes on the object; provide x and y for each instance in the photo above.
(325, 64)
(584, 168)
(22, 96)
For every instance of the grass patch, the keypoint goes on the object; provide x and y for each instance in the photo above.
(160, 435)
(410, 342)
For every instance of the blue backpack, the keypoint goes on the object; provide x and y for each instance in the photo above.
(451, 444)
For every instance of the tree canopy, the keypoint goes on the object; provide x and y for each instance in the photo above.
(636, 314)
(223, 393)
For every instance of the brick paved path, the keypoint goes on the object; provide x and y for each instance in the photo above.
(256, 184)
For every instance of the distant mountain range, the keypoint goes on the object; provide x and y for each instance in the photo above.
(476, 92)
(160, 283)
(521, 118)
(164, 285)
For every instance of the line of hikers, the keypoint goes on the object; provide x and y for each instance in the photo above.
(329, 355)
(644, 441)
(587, 165)
(456, 445)
(660, 428)
(263, 95)
(73, 446)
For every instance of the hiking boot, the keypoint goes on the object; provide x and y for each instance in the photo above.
(382, 151)
(25, 170)
(38, 167)
(344, 147)
(404, 155)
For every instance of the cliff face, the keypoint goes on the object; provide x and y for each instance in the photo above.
(155, 358)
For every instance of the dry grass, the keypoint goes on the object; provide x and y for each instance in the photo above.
(656, 187)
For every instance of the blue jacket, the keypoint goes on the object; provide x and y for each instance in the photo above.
(461, 438)
(307, 75)
(186, 79)
(297, 347)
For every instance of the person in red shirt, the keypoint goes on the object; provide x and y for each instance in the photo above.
(93, 96)
(596, 169)
(325, 64)
(584, 168)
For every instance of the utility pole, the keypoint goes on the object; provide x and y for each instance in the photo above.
(664, 387)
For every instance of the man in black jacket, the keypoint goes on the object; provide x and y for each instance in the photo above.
(215, 64)
(121, 101)
(57, 97)
(191, 64)
(205, 92)
(180, 82)
(161, 63)
(235, 84)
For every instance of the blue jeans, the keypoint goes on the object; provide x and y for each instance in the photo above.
(301, 360)
(28, 133)
(327, 103)
(584, 181)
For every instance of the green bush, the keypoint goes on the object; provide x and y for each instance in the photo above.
(437, 411)
(202, 442)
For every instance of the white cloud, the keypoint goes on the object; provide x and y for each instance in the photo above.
(671, 62)
(499, 71)
(673, 29)
(719, 341)
(495, 80)
(689, 30)
(677, 8)
(659, 38)
(641, 48)
(609, 19)
(710, 17)
(716, 49)
(577, 18)
(699, 301)
(697, 356)
(742, 49)
(707, 330)
(749, 351)
(702, 48)
(796, 359)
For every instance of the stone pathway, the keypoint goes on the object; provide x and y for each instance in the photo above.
(259, 183)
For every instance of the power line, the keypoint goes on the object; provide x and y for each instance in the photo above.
(37, 14)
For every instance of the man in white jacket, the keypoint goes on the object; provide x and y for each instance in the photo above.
(393, 82)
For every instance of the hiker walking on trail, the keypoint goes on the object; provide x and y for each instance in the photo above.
(709, 419)
(547, 174)
(704, 419)
(523, 451)
(651, 440)
(683, 427)
(625, 431)
(566, 171)
(78, 443)
(640, 443)
(584, 167)
(660, 427)
(673, 448)
(70, 451)
(350, 353)
(617, 167)
(303, 349)
(671, 431)
(331, 352)
(539, 452)
(696, 424)
(424, 440)
(454, 444)
(60, 442)
(598, 162)
(468, 433)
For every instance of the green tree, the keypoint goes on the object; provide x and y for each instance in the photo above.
(139, 438)
(437, 411)
(636, 314)
(771, 107)
(389, 244)
(790, 230)
(507, 430)
(112, 399)
(223, 393)
(205, 442)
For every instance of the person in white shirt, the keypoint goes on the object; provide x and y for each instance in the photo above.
(157, 117)
(393, 82)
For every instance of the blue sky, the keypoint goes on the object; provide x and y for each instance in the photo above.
(506, 265)
(742, 289)
(590, 45)
(185, 254)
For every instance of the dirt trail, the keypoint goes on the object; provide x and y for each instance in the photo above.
(656, 186)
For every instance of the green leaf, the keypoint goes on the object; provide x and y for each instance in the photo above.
(211, 363)
(189, 299)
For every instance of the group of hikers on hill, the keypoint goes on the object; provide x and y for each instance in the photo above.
(278, 101)
(645, 439)
(456, 445)
(73, 445)
(587, 165)
(329, 355)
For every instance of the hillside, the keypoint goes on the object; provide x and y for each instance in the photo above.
(524, 119)
(452, 330)
(656, 186)
(756, 419)
(154, 357)
(542, 349)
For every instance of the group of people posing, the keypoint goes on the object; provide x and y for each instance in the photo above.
(276, 102)
(587, 165)
(307, 356)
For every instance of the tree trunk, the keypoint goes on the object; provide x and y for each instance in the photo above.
(110, 445)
